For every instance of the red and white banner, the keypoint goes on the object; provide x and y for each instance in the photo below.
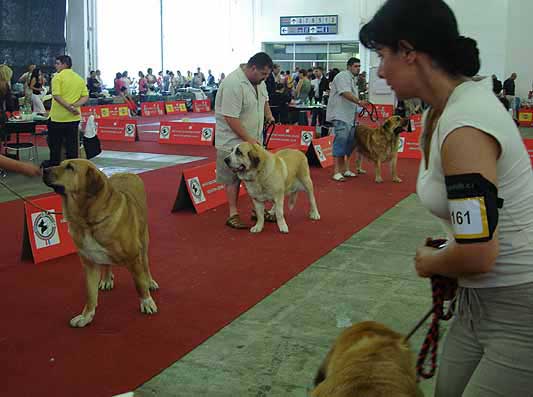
(113, 111)
(382, 113)
(46, 233)
(199, 187)
(117, 129)
(529, 146)
(201, 105)
(152, 109)
(285, 135)
(322, 152)
(175, 107)
(180, 133)
(410, 141)
(525, 117)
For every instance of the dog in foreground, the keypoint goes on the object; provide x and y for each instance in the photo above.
(368, 359)
(270, 177)
(108, 222)
(381, 144)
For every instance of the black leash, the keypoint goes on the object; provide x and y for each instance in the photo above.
(28, 201)
(372, 113)
(268, 130)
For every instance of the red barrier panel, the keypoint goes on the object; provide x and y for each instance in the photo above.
(45, 235)
(201, 105)
(200, 190)
(152, 108)
(383, 113)
(284, 135)
(117, 129)
(175, 107)
(320, 152)
(180, 133)
(525, 117)
(112, 111)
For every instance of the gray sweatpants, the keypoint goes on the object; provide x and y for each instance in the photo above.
(488, 350)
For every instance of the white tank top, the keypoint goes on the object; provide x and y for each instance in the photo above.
(472, 104)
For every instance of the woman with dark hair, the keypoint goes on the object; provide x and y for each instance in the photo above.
(36, 86)
(473, 157)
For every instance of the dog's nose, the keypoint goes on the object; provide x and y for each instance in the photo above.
(46, 171)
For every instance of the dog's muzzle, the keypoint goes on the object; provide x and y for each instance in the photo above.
(48, 179)
(240, 168)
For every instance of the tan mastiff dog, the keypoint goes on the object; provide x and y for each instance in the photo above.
(380, 145)
(108, 223)
(368, 359)
(270, 177)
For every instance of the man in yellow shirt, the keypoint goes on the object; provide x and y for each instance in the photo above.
(69, 92)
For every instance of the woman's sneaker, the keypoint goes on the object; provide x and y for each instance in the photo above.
(338, 177)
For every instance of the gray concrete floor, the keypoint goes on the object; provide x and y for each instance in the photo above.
(275, 348)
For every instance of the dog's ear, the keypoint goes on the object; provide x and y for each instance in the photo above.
(387, 124)
(253, 155)
(94, 181)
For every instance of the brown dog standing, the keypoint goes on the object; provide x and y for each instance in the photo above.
(108, 223)
(380, 145)
(367, 359)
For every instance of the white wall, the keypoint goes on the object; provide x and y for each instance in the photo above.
(519, 45)
(486, 22)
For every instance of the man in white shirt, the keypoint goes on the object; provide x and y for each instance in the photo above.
(241, 109)
(341, 111)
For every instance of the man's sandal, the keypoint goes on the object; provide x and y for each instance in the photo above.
(235, 222)
(268, 217)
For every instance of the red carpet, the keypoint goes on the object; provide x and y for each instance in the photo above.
(208, 273)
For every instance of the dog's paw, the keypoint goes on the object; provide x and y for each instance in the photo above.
(153, 285)
(148, 306)
(256, 229)
(379, 180)
(283, 228)
(314, 215)
(106, 284)
(81, 320)
(397, 180)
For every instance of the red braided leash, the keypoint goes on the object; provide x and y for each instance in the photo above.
(443, 289)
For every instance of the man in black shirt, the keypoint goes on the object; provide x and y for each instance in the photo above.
(508, 86)
(496, 85)
(509, 90)
(93, 85)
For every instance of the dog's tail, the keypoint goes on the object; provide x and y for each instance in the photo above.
(292, 200)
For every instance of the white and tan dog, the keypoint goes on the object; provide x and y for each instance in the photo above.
(270, 177)
(108, 223)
